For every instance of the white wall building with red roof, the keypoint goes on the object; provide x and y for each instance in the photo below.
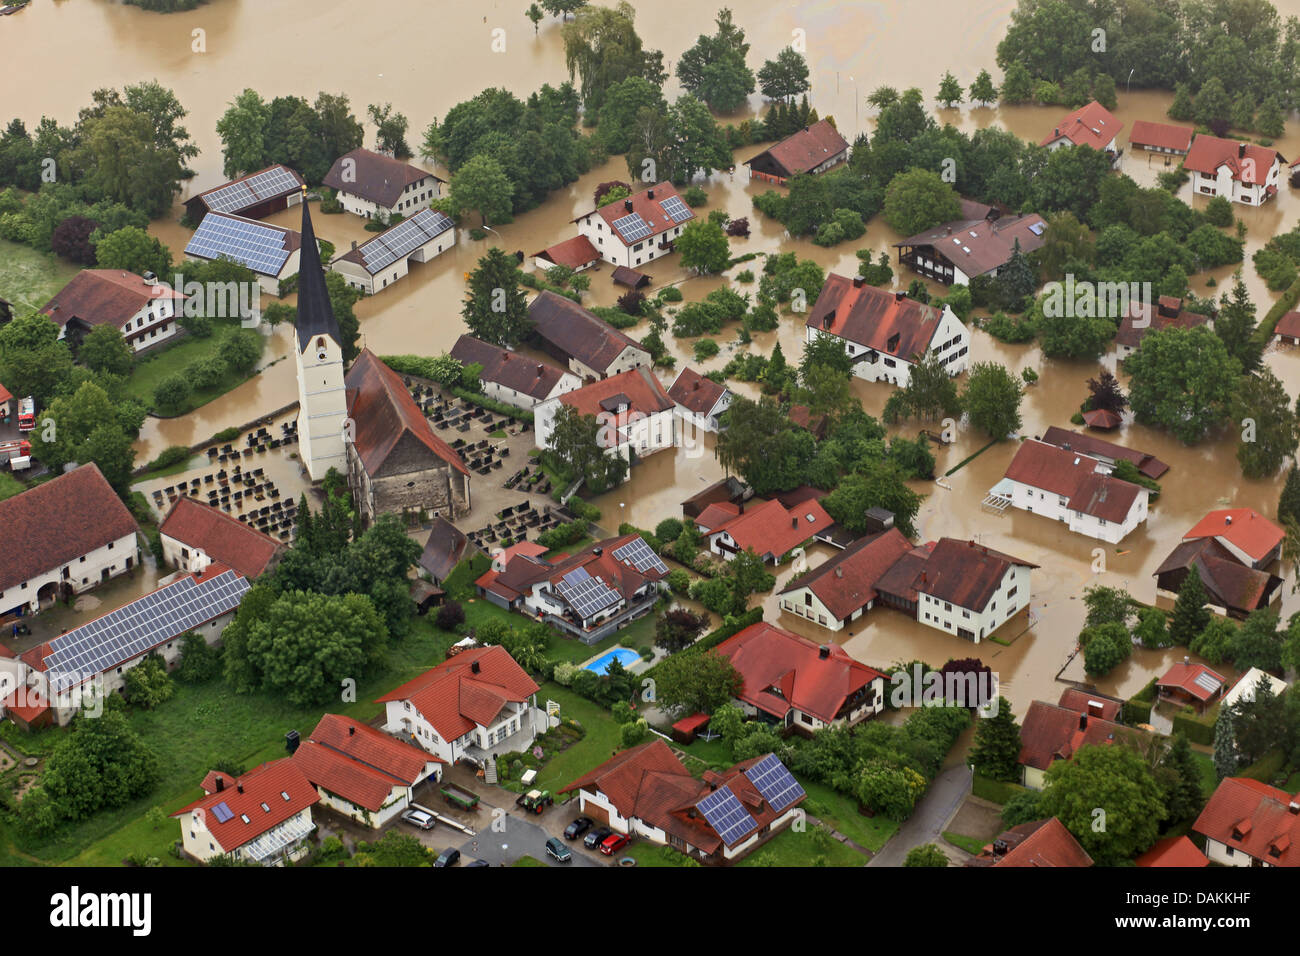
(633, 409)
(1249, 823)
(1240, 172)
(639, 229)
(1091, 125)
(143, 310)
(195, 535)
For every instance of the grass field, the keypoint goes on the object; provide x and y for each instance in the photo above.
(29, 279)
(841, 813)
(810, 848)
(152, 369)
(602, 738)
(962, 842)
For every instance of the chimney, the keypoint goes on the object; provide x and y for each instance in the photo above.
(650, 194)
(900, 296)
(597, 552)
(1294, 806)
(627, 205)
(794, 522)
(291, 741)
(221, 783)
(474, 667)
(839, 572)
(239, 787)
(923, 577)
(1187, 660)
(824, 652)
(1083, 721)
(857, 282)
(1241, 150)
(352, 730)
(354, 244)
(1057, 131)
(540, 368)
(1227, 519)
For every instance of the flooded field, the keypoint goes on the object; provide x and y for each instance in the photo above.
(300, 47)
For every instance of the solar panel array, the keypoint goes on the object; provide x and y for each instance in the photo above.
(632, 228)
(1207, 681)
(725, 814)
(777, 785)
(261, 248)
(140, 626)
(222, 812)
(637, 553)
(676, 209)
(403, 239)
(265, 185)
(586, 594)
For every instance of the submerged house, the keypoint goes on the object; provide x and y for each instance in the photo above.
(1092, 125)
(1240, 172)
(511, 377)
(253, 196)
(1139, 319)
(590, 347)
(387, 258)
(811, 150)
(370, 184)
(638, 229)
(980, 243)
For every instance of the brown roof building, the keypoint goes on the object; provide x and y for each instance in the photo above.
(638, 229)
(195, 535)
(843, 588)
(1091, 125)
(1233, 587)
(813, 149)
(1049, 733)
(956, 252)
(133, 305)
(700, 400)
(577, 254)
(511, 377)
(1104, 451)
(381, 180)
(447, 547)
(1161, 137)
(591, 347)
(1040, 843)
(1139, 319)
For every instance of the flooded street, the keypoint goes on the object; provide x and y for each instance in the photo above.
(300, 47)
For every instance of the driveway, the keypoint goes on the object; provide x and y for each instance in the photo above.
(519, 838)
(930, 818)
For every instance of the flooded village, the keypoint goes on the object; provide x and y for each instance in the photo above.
(333, 427)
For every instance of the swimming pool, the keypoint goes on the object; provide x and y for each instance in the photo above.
(621, 654)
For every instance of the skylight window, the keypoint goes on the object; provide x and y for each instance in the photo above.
(244, 817)
(285, 794)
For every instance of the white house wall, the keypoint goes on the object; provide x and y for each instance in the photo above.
(83, 573)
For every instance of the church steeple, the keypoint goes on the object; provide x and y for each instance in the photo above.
(315, 314)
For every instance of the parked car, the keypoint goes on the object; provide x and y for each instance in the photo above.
(558, 851)
(613, 843)
(593, 838)
(448, 857)
(578, 827)
(473, 863)
(420, 819)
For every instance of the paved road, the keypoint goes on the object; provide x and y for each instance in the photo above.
(927, 822)
(519, 838)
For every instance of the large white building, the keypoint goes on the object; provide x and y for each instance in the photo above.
(700, 401)
(886, 333)
(374, 265)
(271, 252)
(639, 229)
(1240, 172)
(632, 408)
(1249, 823)
(970, 590)
(370, 184)
(262, 817)
(143, 310)
(1072, 488)
(1092, 125)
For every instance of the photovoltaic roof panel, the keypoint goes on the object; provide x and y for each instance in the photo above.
(588, 595)
(632, 228)
(637, 553)
(140, 626)
(727, 816)
(265, 185)
(222, 812)
(403, 239)
(1207, 681)
(777, 785)
(676, 209)
(261, 248)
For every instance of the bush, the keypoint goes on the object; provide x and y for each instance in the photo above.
(668, 530)
(670, 294)
(200, 661)
(450, 616)
(582, 510)
(169, 456)
(679, 581)
(171, 393)
(563, 534)
(705, 349)
(565, 672)
(695, 196)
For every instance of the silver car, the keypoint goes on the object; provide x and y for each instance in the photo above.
(420, 819)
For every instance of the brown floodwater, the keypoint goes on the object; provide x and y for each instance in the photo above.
(302, 46)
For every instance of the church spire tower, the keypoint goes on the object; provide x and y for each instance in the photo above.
(322, 397)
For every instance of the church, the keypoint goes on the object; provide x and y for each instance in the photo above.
(364, 422)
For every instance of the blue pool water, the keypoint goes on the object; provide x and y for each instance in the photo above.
(621, 654)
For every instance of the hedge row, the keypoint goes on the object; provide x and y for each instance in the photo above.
(1198, 729)
(1280, 308)
(1136, 712)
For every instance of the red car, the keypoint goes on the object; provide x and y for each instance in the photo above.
(613, 843)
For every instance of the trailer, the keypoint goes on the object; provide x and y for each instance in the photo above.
(26, 414)
(459, 796)
(17, 454)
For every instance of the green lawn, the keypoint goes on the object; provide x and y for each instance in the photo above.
(601, 741)
(1293, 784)
(10, 486)
(1209, 779)
(28, 278)
(963, 842)
(841, 813)
(152, 369)
(809, 848)
(527, 861)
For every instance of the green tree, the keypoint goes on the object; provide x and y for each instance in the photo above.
(390, 129)
(1182, 108)
(785, 77)
(1235, 326)
(983, 91)
(1022, 807)
(714, 68)
(243, 130)
(918, 199)
(1225, 745)
(101, 764)
(134, 250)
(1288, 504)
(747, 575)
(704, 247)
(576, 441)
(1258, 642)
(930, 392)
(601, 48)
(200, 661)
(105, 350)
(1212, 107)
(394, 849)
(1181, 780)
(1214, 643)
(483, 186)
(1017, 85)
(1108, 605)
(996, 752)
(534, 13)
(496, 310)
(1105, 647)
(1183, 380)
(171, 393)
(926, 855)
(148, 684)
(1153, 628)
(696, 683)
(1015, 281)
(992, 399)
(950, 91)
(240, 350)
(1117, 781)
(876, 484)
(1066, 242)
(1269, 434)
(1191, 616)
(1269, 121)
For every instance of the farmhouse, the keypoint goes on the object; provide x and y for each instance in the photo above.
(1250, 537)
(143, 310)
(975, 245)
(886, 333)
(477, 704)
(253, 196)
(1049, 733)
(261, 817)
(513, 378)
(272, 252)
(1091, 125)
(813, 149)
(371, 184)
(638, 229)
(195, 535)
(1073, 488)
(1240, 172)
(1108, 453)
(700, 401)
(591, 348)
(589, 595)
(62, 538)
(1234, 588)
(1138, 320)
(386, 258)
(395, 461)
(362, 773)
(843, 588)
(634, 411)
(577, 254)
(768, 528)
(647, 792)
(1249, 823)
(800, 685)
(1161, 138)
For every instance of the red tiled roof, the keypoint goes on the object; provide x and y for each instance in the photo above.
(1248, 163)
(1072, 698)
(1092, 125)
(875, 318)
(1253, 818)
(1288, 325)
(807, 149)
(1072, 475)
(266, 784)
(801, 416)
(769, 528)
(1173, 851)
(1162, 135)
(455, 699)
(57, 522)
(1049, 845)
(1228, 582)
(1049, 733)
(648, 204)
(1096, 447)
(692, 723)
(717, 514)
(513, 370)
(104, 296)
(377, 178)
(965, 573)
(220, 536)
(1185, 674)
(5, 394)
(1102, 418)
(574, 253)
(1244, 528)
(695, 393)
(385, 413)
(1139, 319)
(636, 391)
(767, 656)
(358, 763)
(26, 711)
(847, 581)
